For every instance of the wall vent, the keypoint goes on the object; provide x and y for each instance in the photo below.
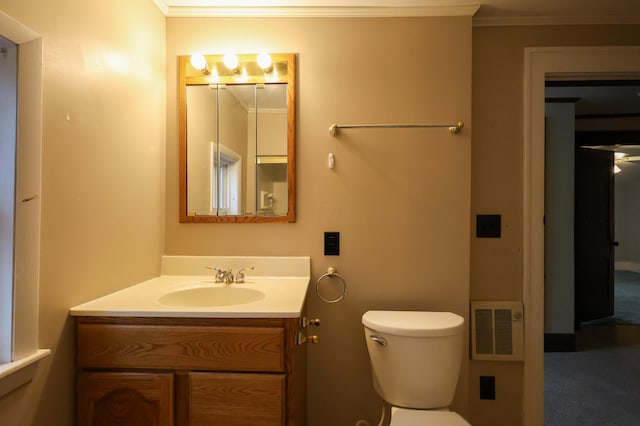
(497, 332)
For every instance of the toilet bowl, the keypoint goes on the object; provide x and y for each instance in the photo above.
(415, 362)
(409, 417)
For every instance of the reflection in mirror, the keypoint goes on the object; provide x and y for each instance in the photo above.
(271, 157)
(237, 140)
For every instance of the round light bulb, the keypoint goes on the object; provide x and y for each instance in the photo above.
(616, 169)
(230, 61)
(264, 61)
(198, 61)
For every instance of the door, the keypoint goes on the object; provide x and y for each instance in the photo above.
(237, 399)
(594, 230)
(125, 399)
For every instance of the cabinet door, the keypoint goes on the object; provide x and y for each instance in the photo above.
(240, 399)
(125, 399)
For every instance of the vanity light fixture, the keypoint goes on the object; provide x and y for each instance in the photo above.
(265, 62)
(231, 61)
(215, 78)
(244, 77)
(200, 63)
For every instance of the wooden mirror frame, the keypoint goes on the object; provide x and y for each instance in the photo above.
(188, 75)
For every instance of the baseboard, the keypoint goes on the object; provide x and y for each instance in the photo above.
(627, 266)
(556, 342)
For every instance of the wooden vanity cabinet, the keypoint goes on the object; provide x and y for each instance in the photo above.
(189, 371)
(126, 399)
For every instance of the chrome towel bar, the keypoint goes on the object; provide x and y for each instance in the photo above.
(334, 129)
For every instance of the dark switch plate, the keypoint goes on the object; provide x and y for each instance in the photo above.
(487, 387)
(488, 226)
(332, 244)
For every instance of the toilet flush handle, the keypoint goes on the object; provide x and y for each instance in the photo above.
(378, 339)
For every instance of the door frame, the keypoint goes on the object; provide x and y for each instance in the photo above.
(540, 62)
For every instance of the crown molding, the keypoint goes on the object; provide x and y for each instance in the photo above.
(14, 31)
(386, 11)
(555, 20)
(162, 5)
(316, 12)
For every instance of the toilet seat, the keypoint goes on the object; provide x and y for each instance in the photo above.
(407, 417)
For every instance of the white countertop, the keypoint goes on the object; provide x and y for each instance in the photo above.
(284, 295)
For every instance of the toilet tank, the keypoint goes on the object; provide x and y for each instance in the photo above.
(415, 356)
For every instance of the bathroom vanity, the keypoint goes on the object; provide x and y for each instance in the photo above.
(150, 357)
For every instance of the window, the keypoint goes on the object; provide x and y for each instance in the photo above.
(20, 161)
(8, 117)
(226, 184)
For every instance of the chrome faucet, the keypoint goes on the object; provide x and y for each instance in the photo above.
(240, 274)
(226, 275)
(222, 275)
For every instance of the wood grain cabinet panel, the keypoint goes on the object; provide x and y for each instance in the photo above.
(188, 347)
(190, 372)
(237, 399)
(125, 399)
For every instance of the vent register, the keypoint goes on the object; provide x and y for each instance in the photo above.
(497, 331)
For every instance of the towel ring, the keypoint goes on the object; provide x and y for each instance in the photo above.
(331, 273)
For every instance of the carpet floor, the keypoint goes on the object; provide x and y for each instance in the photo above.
(599, 384)
(627, 297)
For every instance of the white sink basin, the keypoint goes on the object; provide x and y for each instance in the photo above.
(185, 288)
(211, 296)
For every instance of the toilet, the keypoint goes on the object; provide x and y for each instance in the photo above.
(415, 361)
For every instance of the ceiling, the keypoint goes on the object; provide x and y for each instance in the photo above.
(609, 103)
(599, 99)
(487, 11)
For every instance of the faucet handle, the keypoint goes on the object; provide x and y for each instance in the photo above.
(220, 274)
(240, 274)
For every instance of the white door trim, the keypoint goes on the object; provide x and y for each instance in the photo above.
(539, 63)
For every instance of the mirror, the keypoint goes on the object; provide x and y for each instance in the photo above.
(237, 138)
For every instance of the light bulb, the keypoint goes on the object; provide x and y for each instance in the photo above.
(265, 62)
(198, 61)
(616, 169)
(619, 155)
(231, 61)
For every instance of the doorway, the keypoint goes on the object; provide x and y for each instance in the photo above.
(590, 377)
(592, 129)
(540, 64)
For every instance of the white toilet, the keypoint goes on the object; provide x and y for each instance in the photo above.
(415, 362)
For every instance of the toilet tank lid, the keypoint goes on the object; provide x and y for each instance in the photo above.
(414, 323)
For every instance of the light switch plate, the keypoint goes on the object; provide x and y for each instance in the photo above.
(332, 244)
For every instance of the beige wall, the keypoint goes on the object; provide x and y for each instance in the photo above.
(400, 198)
(498, 66)
(103, 173)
